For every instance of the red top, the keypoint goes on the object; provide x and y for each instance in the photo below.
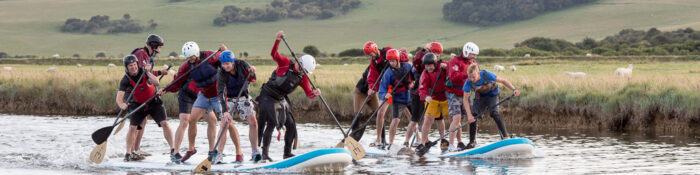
(283, 66)
(427, 80)
(418, 61)
(457, 71)
(209, 91)
(373, 75)
(142, 55)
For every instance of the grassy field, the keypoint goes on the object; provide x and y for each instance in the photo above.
(660, 95)
(32, 27)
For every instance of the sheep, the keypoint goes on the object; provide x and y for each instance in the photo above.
(527, 55)
(172, 71)
(7, 68)
(55, 55)
(51, 69)
(111, 65)
(165, 66)
(410, 55)
(453, 55)
(346, 64)
(512, 68)
(624, 72)
(79, 65)
(181, 56)
(498, 68)
(171, 57)
(589, 54)
(575, 74)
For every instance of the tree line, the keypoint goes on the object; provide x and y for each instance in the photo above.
(490, 12)
(101, 23)
(281, 9)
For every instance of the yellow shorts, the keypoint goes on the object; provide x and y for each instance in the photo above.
(438, 109)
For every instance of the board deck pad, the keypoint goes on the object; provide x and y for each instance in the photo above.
(515, 147)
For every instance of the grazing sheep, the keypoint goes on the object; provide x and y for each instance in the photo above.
(589, 54)
(165, 66)
(453, 55)
(51, 69)
(55, 55)
(79, 65)
(624, 72)
(7, 68)
(111, 65)
(498, 68)
(410, 55)
(171, 57)
(575, 74)
(527, 55)
(346, 64)
(512, 68)
(181, 56)
(171, 71)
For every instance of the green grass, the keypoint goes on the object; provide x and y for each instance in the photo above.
(32, 27)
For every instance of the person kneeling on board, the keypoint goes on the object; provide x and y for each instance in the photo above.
(484, 84)
(144, 91)
(232, 77)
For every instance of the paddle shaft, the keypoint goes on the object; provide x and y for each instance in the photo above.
(425, 108)
(131, 94)
(221, 133)
(482, 112)
(313, 86)
(357, 114)
(380, 106)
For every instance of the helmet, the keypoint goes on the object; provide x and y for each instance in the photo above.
(128, 60)
(370, 47)
(227, 56)
(392, 54)
(154, 41)
(308, 63)
(190, 49)
(429, 59)
(435, 47)
(470, 47)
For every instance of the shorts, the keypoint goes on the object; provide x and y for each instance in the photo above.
(185, 101)
(397, 108)
(416, 108)
(243, 105)
(438, 109)
(455, 106)
(207, 103)
(155, 109)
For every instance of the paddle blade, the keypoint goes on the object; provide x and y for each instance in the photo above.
(203, 167)
(102, 134)
(356, 150)
(341, 144)
(406, 151)
(98, 153)
(119, 128)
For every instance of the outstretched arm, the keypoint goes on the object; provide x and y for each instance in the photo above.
(508, 85)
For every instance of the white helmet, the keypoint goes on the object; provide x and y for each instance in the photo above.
(470, 47)
(308, 62)
(190, 49)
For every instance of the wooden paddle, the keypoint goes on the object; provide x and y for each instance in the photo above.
(357, 114)
(407, 150)
(121, 125)
(98, 153)
(357, 151)
(206, 163)
(101, 135)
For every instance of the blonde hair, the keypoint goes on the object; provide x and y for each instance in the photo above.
(472, 68)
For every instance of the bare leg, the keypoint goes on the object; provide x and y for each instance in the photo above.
(211, 130)
(130, 136)
(411, 126)
(454, 124)
(192, 130)
(427, 123)
(441, 127)
(253, 132)
(167, 133)
(139, 135)
(392, 129)
(380, 121)
(179, 133)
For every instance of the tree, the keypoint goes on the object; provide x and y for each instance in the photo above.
(311, 50)
(76, 56)
(4, 55)
(100, 55)
(351, 53)
(172, 54)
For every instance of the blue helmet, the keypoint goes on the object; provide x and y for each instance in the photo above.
(227, 56)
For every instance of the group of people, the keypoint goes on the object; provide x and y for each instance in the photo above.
(214, 85)
(444, 86)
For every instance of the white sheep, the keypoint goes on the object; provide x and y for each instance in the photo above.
(624, 72)
(527, 55)
(171, 57)
(8, 68)
(512, 68)
(589, 54)
(51, 69)
(453, 55)
(410, 55)
(181, 56)
(498, 68)
(79, 65)
(55, 55)
(346, 64)
(111, 65)
(575, 74)
(172, 71)
(165, 66)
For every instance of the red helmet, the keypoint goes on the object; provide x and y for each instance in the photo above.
(392, 54)
(435, 47)
(370, 47)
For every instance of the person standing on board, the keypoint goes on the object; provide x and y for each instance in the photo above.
(456, 76)
(366, 85)
(399, 75)
(432, 90)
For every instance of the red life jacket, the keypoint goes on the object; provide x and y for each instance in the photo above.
(144, 91)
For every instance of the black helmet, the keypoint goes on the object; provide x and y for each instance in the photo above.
(128, 60)
(429, 59)
(154, 41)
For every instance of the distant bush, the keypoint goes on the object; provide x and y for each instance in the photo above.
(4, 55)
(99, 23)
(173, 54)
(76, 55)
(351, 53)
(100, 55)
(491, 52)
(311, 50)
(491, 12)
(281, 9)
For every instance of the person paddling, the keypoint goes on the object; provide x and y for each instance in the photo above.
(484, 84)
(367, 86)
(432, 91)
(143, 91)
(274, 108)
(457, 75)
(399, 75)
(232, 77)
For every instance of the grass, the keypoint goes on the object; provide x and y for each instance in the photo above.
(32, 27)
(660, 95)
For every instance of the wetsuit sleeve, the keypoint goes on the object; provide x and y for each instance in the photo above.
(384, 84)
(177, 85)
(282, 61)
(221, 88)
(125, 85)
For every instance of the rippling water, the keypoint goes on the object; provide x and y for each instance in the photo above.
(61, 145)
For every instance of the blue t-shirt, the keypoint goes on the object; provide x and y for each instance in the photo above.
(486, 77)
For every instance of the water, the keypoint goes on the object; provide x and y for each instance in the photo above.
(61, 145)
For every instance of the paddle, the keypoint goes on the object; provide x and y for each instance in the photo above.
(364, 126)
(101, 135)
(121, 125)
(206, 163)
(408, 150)
(357, 114)
(131, 94)
(429, 144)
(356, 150)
